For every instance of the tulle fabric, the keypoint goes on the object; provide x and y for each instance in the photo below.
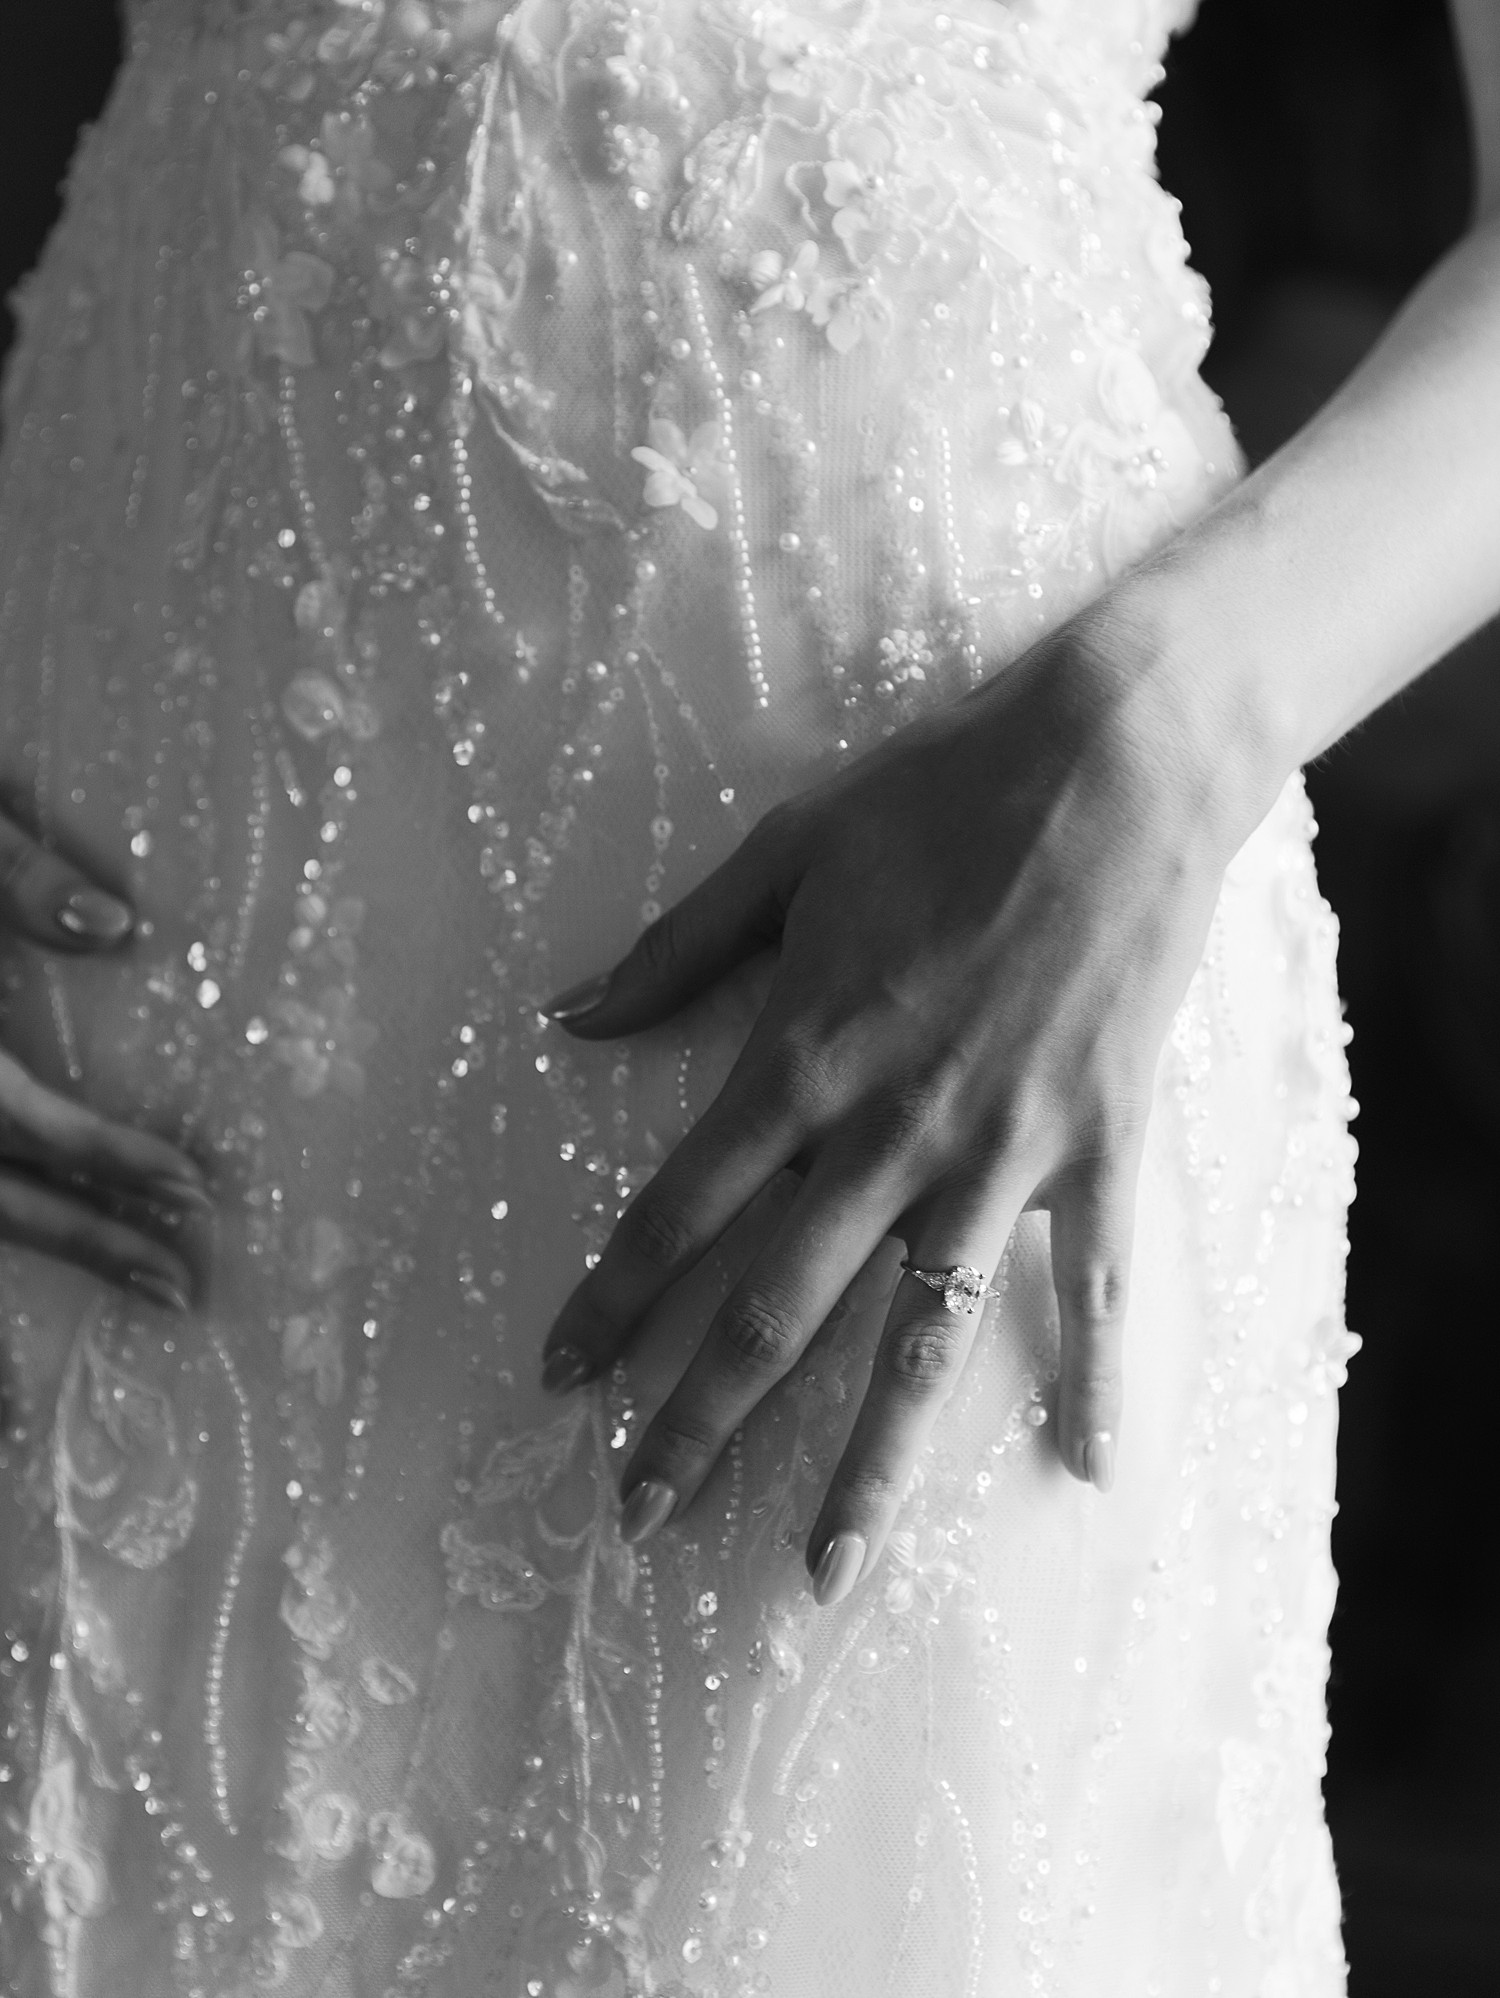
(461, 466)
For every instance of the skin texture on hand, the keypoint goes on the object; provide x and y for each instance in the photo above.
(114, 1200)
(984, 928)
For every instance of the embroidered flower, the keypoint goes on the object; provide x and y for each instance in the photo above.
(855, 184)
(342, 168)
(330, 1824)
(310, 1344)
(499, 1577)
(404, 1864)
(858, 311)
(924, 1571)
(327, 1713)
(640, 67)
(322, 1044)
(905, 655)
(794, 66)
(796, 283)
(313, 704)
(675, 466)
(296, 1919)
(286, 288)
(324, 1249)
(313, 1608)
(351, 41)
(290, 73)
(401, 298)
(315, 183)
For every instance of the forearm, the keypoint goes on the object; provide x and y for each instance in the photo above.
(1354, 558)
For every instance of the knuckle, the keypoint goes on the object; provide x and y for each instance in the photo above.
(656, 1232)
(1096, 1383)
(924, 1354)
(682, 1437)
(757, 1333)
(1095, 1293)
(864, 1491)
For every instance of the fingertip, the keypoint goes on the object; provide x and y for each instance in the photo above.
(571, 1008)
(1099, 1460)
(88, 915)
(838, 1568)
(159, 1290)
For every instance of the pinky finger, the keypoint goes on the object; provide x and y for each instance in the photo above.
(1093, 1223)
(33, 1216)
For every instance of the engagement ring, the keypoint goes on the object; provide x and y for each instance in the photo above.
(963, 1289)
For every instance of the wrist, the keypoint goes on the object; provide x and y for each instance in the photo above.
(1171, 661)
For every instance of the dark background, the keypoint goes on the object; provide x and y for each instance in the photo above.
(1320, 152)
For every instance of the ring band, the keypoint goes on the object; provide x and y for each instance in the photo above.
(962, 1287)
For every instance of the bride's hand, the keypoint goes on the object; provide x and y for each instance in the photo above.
(984, 926)
(73, 1184)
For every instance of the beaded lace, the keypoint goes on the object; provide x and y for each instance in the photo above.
(463, 463)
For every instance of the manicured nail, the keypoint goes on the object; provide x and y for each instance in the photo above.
(577, 1000)
(179, 1193)
(89, 912)
(159, 1289)
(1099, 1460)
(648, 1506)
(564, 1369)
(838, 1568)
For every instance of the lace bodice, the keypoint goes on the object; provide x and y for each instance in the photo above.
(462, 465)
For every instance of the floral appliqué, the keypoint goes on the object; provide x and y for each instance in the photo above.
(283, 290)
(678, 466)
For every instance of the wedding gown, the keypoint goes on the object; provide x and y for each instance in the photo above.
(462, 464)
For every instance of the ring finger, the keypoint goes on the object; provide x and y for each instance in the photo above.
(928, 1337)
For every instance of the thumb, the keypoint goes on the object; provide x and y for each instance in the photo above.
(46, 898)
(1093, 1222)
(730, 916)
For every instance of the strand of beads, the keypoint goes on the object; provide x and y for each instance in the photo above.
(244, 1529)
(744, 572)
(460, 417)
(973, 1894)
(805, 536)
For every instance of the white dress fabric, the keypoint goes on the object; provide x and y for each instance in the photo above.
(462, 464)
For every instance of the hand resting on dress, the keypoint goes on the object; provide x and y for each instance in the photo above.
(73, 1184)
(985, 926)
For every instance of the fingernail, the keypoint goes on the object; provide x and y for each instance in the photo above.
(577, 1000)
(838, 1568)
(182, 1192)
(646, 1509)
(159, 1289)
(89, 912)
(564, 1369)
(1099, 1460)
